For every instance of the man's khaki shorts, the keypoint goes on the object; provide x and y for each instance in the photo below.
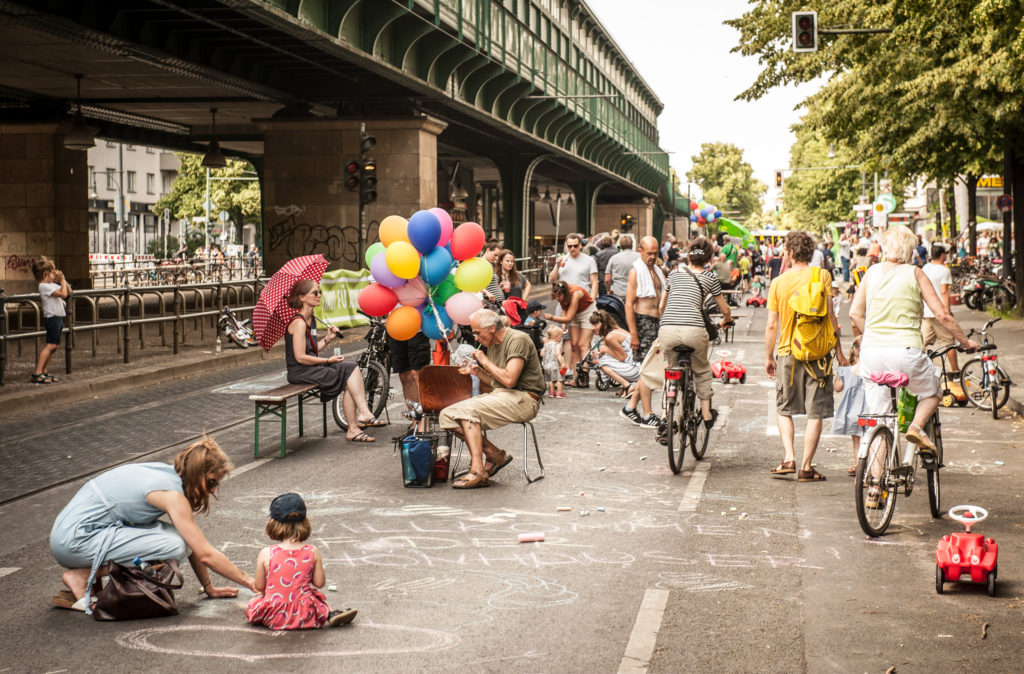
(797, 392)
(492, 410)
(934, 332)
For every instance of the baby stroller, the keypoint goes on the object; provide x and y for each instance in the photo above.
(614, 306)
(589, 362)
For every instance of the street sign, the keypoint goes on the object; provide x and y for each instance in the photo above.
(886, 203)
(167, 214)
(224, 216)
(1004, 203)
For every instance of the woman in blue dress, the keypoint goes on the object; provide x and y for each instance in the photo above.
(115, 517)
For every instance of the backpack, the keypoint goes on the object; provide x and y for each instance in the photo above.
(813, 336)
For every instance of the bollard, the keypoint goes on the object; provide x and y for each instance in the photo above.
(177, 319)
(3, 333)
(69, 343)
(126, 326)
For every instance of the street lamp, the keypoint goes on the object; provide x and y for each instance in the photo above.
(119, 211)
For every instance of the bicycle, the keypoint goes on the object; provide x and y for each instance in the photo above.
(884, 466)
(981, 378)
(237, 331)
(683, 418)
(375, 366)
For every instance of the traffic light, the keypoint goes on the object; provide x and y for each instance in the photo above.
(778, 178)
(366, 142)
(352, 176)
(368, 182)
(626, 222)
(805, 31)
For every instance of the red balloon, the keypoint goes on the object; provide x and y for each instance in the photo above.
(701, 221)
(377, 300)
(693, 205)
(467, 240)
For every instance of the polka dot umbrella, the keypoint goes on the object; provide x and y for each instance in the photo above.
(271, 316)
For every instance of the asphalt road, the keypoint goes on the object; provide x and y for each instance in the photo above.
(720, 568)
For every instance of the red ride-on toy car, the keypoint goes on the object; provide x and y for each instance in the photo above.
(757, 301)
(966, 557)
(725, 370)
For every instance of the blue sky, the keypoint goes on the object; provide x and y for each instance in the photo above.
(681, 48)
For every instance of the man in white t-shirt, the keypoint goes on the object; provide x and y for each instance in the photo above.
(931, 329)
(576, 268)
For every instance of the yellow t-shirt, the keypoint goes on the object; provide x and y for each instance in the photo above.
(781, 289)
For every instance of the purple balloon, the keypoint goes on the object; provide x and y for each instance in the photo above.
(381, 274)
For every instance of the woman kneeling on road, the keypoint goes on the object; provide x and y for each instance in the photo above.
(616, 359)
(334, 375)
(115, 518)
(892, 295)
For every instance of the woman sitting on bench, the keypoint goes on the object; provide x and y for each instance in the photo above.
(334, 375)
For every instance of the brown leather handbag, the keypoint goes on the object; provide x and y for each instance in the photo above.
(131, 592)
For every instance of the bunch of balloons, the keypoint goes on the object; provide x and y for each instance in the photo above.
(702, 212)
(426, 274)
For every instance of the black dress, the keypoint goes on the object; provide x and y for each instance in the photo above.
(330, 377)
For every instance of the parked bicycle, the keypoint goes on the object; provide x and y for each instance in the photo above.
(985, 383)
(375, 365)
(888, 463)
(237, 331)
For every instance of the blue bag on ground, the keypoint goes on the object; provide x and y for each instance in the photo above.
(417, 454)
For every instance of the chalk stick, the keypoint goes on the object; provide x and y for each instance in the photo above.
(563, 509)
(535, 537)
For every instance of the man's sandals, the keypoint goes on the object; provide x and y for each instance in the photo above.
(471, 481)
(362, 437)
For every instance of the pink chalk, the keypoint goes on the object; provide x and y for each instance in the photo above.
(535, 537)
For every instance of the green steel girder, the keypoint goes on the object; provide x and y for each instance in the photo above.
(554, 129)
(505, 102)
(375, 23)
(565, 135)
(428, 49)
(535, 113)
(447, 63)
(548, 118)
(406, 33)
(327, 15)
(475, 77)
(491, 92)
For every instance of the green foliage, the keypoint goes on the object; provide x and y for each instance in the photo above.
(726, 180)
(239, 197)
(156, 246)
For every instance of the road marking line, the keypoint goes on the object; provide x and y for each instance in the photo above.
(645, 633)
(8, 570)
(694, 489)
(249, 466)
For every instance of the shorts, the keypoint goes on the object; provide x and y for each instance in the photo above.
(54, 326)
(924, 375)
(582, 317)
(492, 410)
(646, 332)
(797, 392)
(412, 354)
(934, 332)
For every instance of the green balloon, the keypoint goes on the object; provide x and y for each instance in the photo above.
(443, 290)
(372, 252)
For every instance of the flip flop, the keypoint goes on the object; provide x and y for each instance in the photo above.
(498, 466)
(362, 437)
(376, 423)
(61, 600)
(471, 481)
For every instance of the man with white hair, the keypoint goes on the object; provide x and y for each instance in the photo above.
(510, 365)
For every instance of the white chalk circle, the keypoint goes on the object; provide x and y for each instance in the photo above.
(252, 638)
(724, 353)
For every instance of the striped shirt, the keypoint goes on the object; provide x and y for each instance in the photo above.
(684, 297)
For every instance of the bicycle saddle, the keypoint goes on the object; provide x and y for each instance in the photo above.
(683, 349)
(890, 378)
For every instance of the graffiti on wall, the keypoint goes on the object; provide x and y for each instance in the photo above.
(293, 236)
(19, 264)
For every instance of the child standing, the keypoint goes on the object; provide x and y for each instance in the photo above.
(53, 290)
(552, 361)
(852, 404)
(290, 574)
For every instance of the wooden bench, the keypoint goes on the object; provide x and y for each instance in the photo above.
(275, 402)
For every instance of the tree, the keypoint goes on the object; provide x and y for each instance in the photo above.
(814, 198)
(240, 198)
(726, 180)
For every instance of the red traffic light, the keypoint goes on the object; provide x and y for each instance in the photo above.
(352, 177)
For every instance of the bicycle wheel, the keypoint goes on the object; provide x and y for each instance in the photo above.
(700, 433)
(378, 389)
(676, 433)
(934, 488)
(974, 382)
(874, 471)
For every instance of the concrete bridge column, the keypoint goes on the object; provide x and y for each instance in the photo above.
(43, 205)
(306, 207)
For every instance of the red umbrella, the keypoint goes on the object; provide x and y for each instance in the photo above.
(271, 316)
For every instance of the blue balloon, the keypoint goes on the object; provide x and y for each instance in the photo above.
(693, 218)
(704, 212)
(718, 214)
(424, 231)
(435, 265)
(430, 328)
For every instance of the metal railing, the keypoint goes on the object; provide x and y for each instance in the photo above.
(107, 275)
(124, 311)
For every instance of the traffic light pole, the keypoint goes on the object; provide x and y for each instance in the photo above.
(362, 205)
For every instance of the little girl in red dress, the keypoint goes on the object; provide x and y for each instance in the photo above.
(290, 574)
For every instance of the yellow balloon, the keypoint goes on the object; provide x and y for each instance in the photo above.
(403, 259)
(473, 274)
(393, 228)
(403, 323)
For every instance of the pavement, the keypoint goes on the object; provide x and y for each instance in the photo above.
(719, 568)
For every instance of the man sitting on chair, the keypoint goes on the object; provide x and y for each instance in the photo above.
(511, 366)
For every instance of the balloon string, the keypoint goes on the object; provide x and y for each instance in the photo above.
(440, 325)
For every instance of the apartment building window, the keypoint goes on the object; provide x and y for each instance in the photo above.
(150, 150)
(130, 148)
(92, 179)
(111, 143)
(150, 183)
(131, 181)
(111, 185)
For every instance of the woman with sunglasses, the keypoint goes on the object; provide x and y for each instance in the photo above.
(115, 517)
(333, 374)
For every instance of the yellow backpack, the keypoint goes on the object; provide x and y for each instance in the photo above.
(813, 335)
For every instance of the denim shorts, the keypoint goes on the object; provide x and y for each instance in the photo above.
(54, 326)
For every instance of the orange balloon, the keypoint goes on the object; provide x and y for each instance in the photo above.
(393, 228)
(403, 323)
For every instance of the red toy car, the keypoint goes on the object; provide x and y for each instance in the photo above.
(757, 301)
(966, 557)
(726, 370)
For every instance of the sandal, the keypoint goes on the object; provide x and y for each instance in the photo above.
(505, 459)
(362, 437)
(471, 481)
(809, 476)
(917, 436)
(784, 468)
(40, 379)
(341, 617)
(852, 470)
(373, 423)
(66, 600)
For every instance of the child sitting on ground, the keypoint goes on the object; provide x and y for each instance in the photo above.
(290, 574)
(852, 404)
(552, 362)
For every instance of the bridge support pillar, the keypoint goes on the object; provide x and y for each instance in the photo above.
(515, 218)
(44, 191)
(306, 207)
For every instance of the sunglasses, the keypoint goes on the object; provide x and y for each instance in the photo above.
(211, 483)
(572, 245)
(316, 292)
